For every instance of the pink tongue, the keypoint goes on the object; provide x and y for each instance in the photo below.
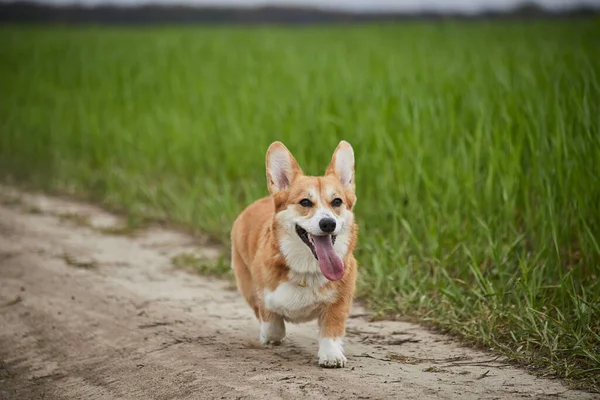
(331, 265)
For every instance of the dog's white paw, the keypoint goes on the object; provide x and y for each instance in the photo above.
(331, 353)
(272, 332)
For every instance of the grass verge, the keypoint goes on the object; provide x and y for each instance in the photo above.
(477, 148)
(190, 261)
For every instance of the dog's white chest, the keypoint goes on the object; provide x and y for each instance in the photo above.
(296, 303)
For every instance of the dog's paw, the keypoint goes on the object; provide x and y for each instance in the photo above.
(331, 353)
(272, 332)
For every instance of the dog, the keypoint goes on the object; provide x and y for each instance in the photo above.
(292, 252)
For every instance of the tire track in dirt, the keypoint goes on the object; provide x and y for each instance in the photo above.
(90, 315)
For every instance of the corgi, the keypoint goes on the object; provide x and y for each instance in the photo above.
(292, 252)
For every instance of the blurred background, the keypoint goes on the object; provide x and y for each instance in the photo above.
(475, 125)
(283, 11)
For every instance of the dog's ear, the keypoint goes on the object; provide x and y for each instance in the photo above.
(282, 168)
(342, 164)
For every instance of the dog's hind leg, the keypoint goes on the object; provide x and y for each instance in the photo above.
(244, 281)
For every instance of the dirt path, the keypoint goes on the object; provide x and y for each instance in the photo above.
(90, 315)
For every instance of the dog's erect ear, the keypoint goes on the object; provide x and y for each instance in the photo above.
(342, 164)
(282, 168)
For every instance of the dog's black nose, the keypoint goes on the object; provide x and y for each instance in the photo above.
(327, 225)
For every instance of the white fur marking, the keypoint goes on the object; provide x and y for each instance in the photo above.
(311, 225)
(331, 353)
(272, 332)
(296, 303)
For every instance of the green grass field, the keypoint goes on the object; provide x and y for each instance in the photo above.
(477, 149)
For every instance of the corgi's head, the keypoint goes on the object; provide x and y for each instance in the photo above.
(313, 219)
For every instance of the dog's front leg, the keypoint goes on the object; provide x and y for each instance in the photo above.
(272, 326)
(332, 326)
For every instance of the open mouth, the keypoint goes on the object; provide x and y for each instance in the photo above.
(309, 240)
(321, 246)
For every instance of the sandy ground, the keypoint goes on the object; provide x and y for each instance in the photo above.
(85, 314)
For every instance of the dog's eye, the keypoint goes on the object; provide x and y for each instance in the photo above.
(336, 202)
(306, 203)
